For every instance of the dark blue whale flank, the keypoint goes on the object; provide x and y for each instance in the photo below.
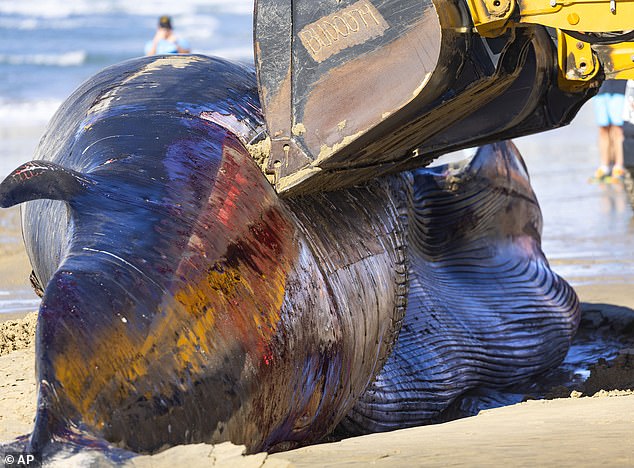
(185, 302)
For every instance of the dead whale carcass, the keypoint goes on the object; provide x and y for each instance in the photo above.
(185, 301)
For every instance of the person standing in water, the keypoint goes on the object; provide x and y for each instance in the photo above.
(628, 127)
(608, 107)
(166, 41)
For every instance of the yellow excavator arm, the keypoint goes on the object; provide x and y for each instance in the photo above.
(354, 89)
(590, 33)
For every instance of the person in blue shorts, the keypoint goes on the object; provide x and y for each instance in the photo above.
(165, 41)
(608, 108)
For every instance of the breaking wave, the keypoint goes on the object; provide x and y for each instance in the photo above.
(66, 59)
(30, 111)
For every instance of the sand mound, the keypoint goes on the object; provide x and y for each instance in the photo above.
(17, 334)
(617, 374)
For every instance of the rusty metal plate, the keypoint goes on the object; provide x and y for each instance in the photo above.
(330, 71)
(353, 89)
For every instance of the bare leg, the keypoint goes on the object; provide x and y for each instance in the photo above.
(616, 143)
(604, 146)
(605, 153)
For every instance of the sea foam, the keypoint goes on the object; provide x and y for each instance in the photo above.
(65, 59)
(29, 111)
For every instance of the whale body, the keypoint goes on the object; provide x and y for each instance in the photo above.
(184, 301)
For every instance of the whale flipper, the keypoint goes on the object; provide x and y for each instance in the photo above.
(36, 180)
(484, 308)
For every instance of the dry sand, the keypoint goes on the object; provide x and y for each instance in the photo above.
(574, 431)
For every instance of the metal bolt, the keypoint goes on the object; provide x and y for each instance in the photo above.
(573, 18)
(579, 45)
(553, 3)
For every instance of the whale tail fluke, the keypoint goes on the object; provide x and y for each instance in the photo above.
(36, 180)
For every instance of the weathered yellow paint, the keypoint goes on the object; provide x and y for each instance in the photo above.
(492, 18)
(617, 60)
(593, 16)
(578, 65)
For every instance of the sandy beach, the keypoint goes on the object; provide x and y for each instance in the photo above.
(574, 431)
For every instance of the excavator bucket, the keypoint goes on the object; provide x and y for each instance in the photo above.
(353, 89)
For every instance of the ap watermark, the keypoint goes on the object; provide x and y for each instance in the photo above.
(20, 459)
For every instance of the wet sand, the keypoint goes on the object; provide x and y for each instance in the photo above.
(588, 238)
(16, 295)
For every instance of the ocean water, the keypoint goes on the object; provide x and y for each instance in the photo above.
(588, 234)
(48, 47)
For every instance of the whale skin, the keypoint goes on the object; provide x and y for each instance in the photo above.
(184, 301)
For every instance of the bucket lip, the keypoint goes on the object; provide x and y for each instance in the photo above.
(331, 74)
